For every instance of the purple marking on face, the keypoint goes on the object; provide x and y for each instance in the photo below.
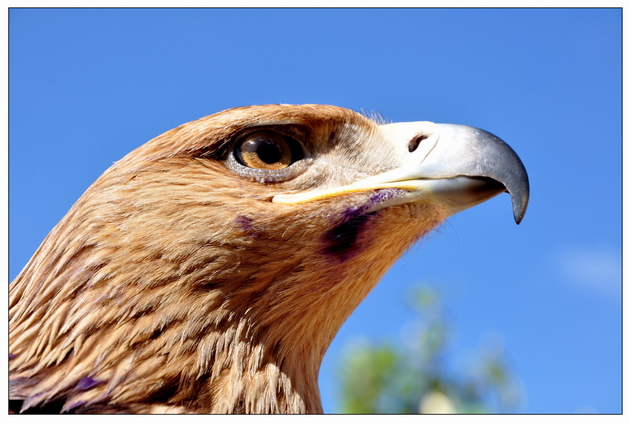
(247, 224)
(340, 241)
(384, 195)
(244, 222)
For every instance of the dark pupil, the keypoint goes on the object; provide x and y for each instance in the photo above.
(268, 151)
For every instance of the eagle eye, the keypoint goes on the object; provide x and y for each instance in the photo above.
(264, 150)
(270, 154)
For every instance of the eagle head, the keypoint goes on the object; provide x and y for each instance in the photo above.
(209, 269)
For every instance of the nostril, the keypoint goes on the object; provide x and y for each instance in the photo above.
(415, 142)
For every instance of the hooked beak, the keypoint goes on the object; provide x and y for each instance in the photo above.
(456, 166)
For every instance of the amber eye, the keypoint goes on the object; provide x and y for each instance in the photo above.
(264, 150)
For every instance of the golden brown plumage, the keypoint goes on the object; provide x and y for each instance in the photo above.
(185, 281)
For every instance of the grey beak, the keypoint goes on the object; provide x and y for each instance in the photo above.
(472, 152)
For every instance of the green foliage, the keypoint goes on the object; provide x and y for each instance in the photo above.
(413, 378)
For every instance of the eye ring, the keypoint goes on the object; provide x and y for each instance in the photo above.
(266, 150)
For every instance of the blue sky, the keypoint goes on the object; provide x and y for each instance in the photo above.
(88, 86)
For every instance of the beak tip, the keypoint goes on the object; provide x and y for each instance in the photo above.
(519, 205)
(490, 157)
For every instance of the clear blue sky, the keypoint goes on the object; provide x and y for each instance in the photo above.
(88, 86)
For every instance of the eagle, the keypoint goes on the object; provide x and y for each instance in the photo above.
(208, 270)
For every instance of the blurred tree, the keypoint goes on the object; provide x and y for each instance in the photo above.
(414, 379)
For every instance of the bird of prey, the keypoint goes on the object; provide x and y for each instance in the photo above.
(209, 269)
